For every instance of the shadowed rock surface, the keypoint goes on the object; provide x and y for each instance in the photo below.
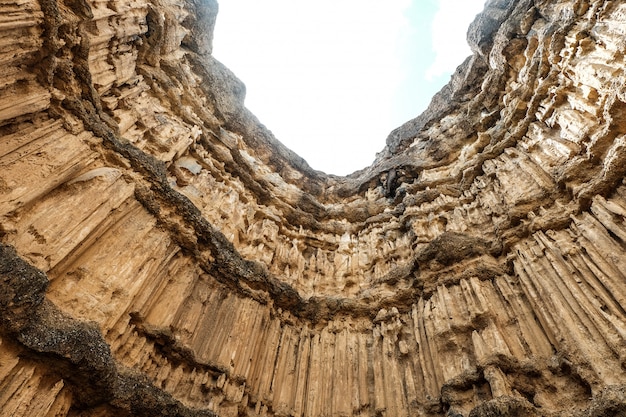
(162, 254)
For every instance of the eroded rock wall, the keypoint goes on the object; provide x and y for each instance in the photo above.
(162, 254)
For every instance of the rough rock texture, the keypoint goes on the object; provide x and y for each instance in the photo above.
(161, 254)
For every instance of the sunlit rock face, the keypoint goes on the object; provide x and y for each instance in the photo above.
(162, 254)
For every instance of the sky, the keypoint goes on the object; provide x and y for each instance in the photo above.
(332, 78)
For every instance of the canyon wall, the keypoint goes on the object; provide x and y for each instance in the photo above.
(162, 254)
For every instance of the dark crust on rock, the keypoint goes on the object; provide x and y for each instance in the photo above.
(73, 349)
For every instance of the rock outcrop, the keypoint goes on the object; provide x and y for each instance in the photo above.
(161, 254)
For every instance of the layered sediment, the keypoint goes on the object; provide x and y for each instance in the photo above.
(161, 253)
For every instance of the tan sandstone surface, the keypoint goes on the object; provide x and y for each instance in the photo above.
(161, 254)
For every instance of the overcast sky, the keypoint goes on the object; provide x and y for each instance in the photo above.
(332, 78)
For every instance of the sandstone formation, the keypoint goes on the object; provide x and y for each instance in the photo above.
(161, 254)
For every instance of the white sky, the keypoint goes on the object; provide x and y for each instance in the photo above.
(332, 78)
